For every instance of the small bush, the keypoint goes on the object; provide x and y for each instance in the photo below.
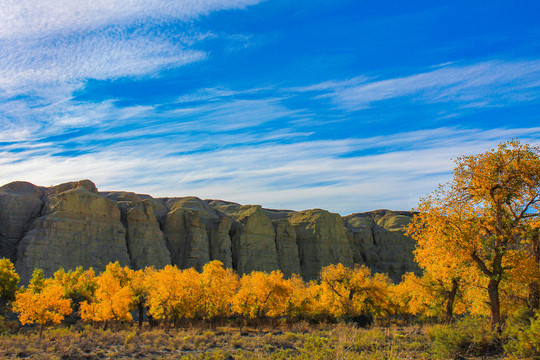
(130, 338)
(468, 336)
(523, 338)
(317, 348)
(370, 340)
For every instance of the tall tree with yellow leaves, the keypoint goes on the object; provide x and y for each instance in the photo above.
(45, 305)
(261, 295)
(218, 286)
(174, 294)
(113, 298)
(490, 208)
(444, 275)
(347, 292)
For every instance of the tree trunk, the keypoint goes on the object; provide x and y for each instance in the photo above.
(141, 314)
(534, 295)
(534, 287)
(450, 301)
(494, 305)
(3, 305)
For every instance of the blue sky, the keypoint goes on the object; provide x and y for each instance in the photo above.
(344, 105)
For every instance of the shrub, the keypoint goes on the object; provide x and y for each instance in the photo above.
(317, 348)
(468, 336)
(523, 338)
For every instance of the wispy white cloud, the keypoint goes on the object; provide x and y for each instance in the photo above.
(55, 68)
(51, 49)
(216, 93)
(298, 175)
(483, 84)
(23, 18)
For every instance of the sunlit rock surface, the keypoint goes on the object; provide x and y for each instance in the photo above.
(73, 224)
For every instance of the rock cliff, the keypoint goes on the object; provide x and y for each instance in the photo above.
(73, 224)
(377, 239)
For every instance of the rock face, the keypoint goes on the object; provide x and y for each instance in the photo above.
(253, 238)
(144, 239)
(78, 227)
(378, 240)
(322, 241)
(20, 204)
(196, 233)
(287, 247)
(72, 224)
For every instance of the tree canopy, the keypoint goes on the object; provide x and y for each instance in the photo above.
(486, 219)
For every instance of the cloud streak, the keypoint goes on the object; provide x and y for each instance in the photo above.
(29, 18)
(484, 84)
(303, 174)
(50, 51)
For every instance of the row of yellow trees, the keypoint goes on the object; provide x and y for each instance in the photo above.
(172, 296)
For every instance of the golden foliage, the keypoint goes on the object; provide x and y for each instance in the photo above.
(218, 285)
(113, 297)
(173, 294)
(78, 284)
(351, 292)
(483, 219)
(261, 294)
(46, 307)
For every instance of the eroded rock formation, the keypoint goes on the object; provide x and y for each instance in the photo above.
(377, 239)
(77, 227)
(72, 224)
(321, 240)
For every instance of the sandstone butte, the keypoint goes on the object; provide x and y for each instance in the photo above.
(73, 224)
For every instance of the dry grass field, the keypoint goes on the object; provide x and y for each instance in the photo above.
(302, 341)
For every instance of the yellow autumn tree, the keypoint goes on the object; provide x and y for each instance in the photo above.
(138, 287)
(347, 292)
(174, 294)
(427, 296)
(261, 295)
(113, 298)
(8, 284)
(45, 305)
(218, 286)
(445, 268)
(490, 208)
(404, 295)
(300, 299)
(79, 285)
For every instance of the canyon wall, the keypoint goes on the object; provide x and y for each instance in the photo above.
(73, 224)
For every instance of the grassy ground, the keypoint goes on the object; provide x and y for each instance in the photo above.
(303, 341)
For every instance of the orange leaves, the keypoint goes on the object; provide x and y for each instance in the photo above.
(351, 292)
(173, 293)
(46, 308)
(261, 294)
(219, 285)
(113, 297)
(483, 220)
